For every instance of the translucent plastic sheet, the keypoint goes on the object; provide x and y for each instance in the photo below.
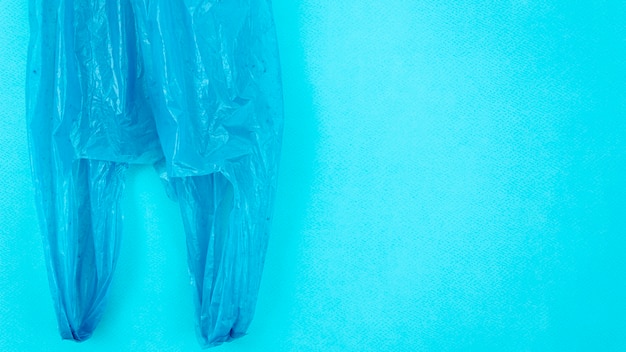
(191, 86)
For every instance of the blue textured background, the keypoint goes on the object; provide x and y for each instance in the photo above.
(453, 178)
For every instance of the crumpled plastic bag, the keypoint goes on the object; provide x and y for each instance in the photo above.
(190, 86)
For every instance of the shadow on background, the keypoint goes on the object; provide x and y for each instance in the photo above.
(295, 178)
(150, 291)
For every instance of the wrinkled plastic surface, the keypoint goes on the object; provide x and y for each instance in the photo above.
(191, 86)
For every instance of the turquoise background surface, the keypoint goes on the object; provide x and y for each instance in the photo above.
(453, 179)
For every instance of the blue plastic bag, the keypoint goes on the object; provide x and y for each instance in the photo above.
(191, 86)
